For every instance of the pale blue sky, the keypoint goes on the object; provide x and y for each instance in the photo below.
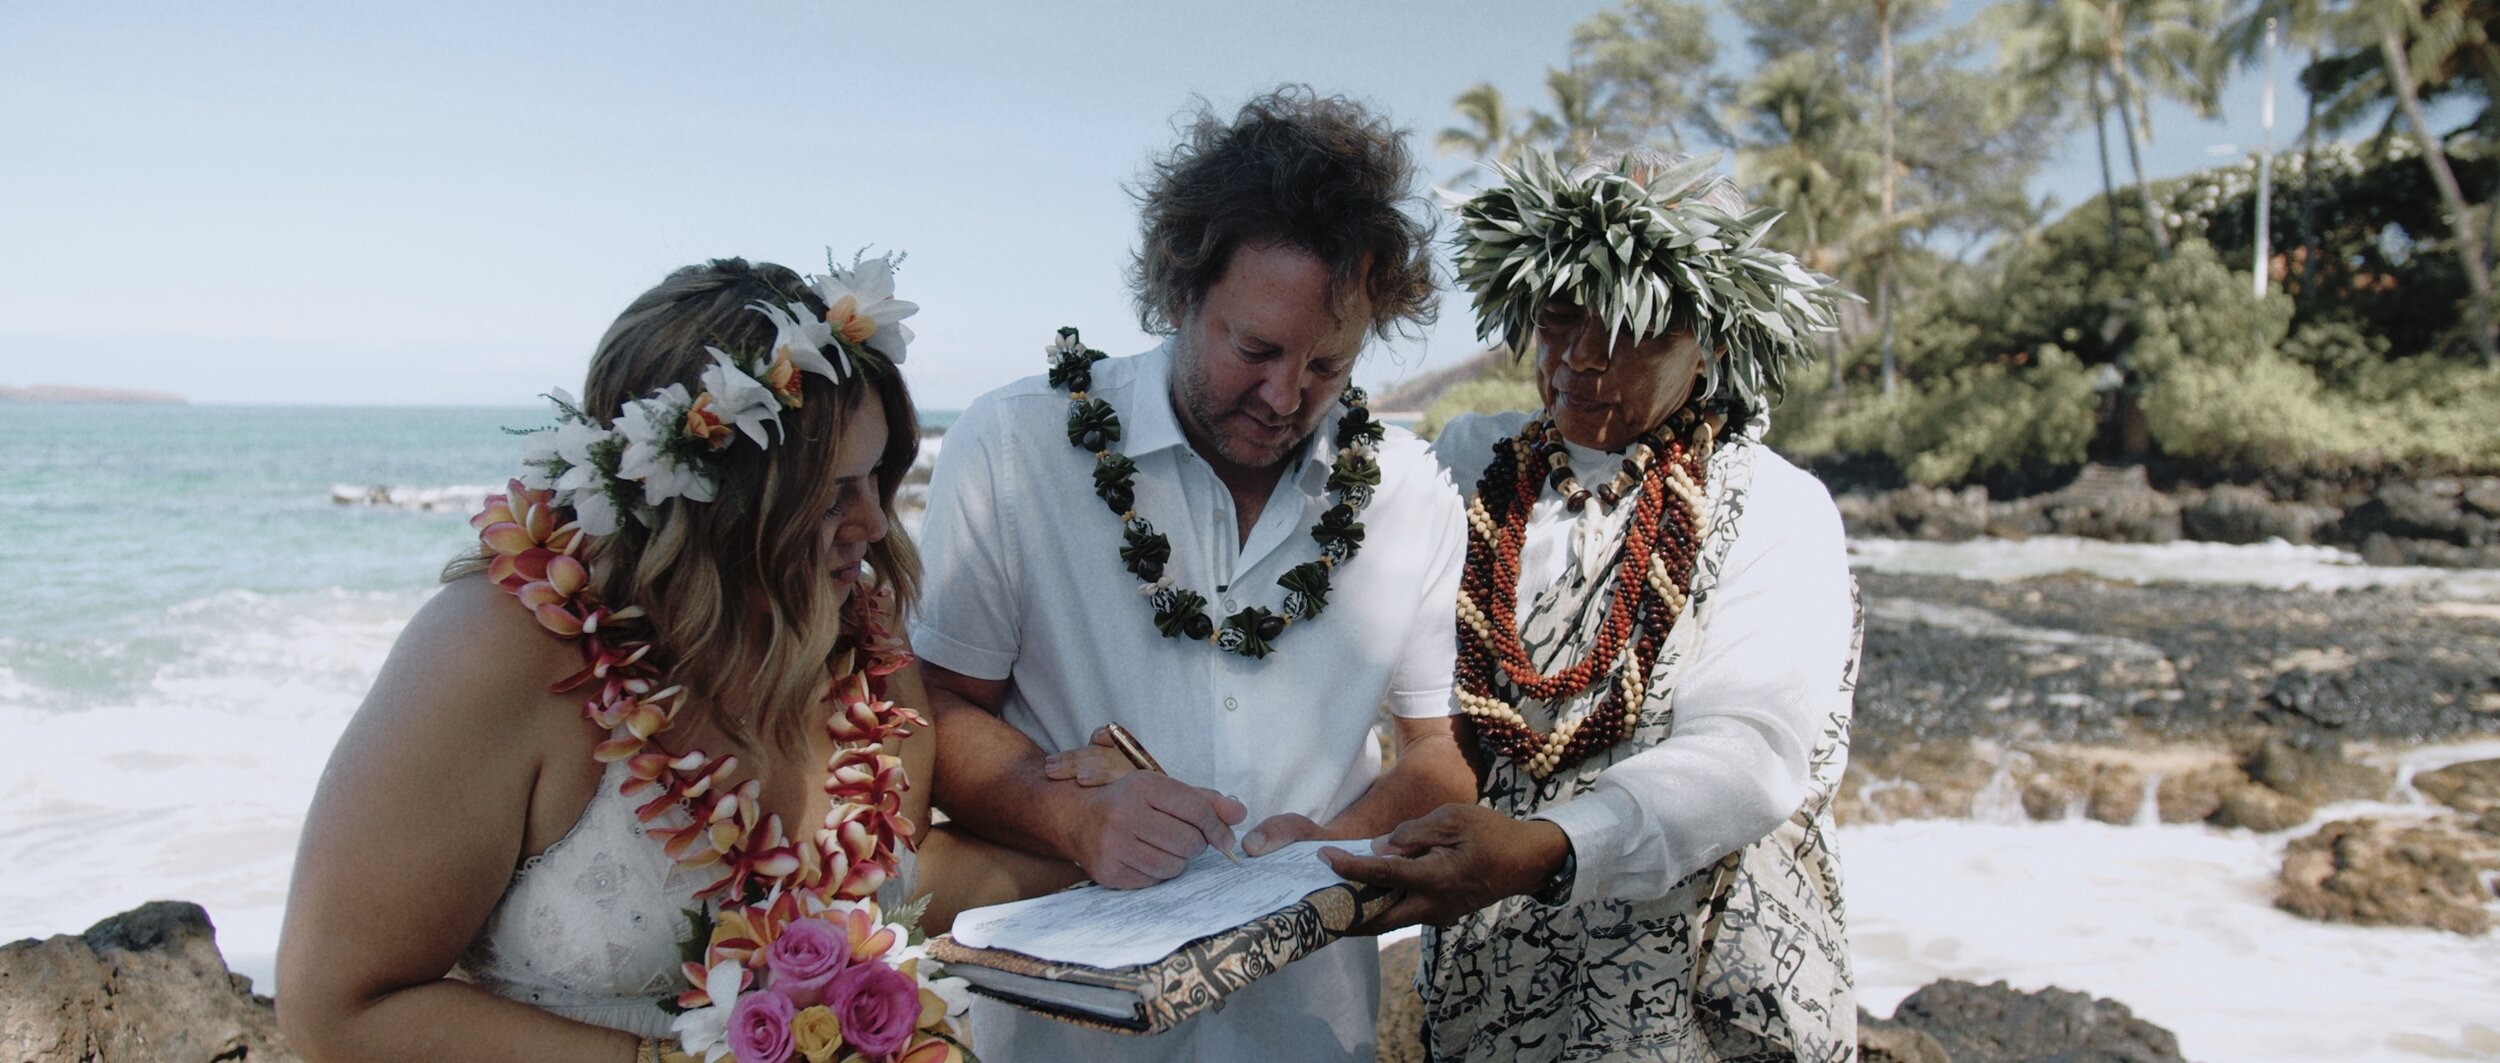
(445, 202)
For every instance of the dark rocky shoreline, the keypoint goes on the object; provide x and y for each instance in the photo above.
(2451, 522)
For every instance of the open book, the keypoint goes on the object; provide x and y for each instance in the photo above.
(1141, 961)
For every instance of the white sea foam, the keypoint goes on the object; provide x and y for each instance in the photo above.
(193, 784)
(2269, 564)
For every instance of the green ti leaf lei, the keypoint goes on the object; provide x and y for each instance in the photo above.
(1179, 612)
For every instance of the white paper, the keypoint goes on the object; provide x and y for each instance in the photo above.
(1104, 927)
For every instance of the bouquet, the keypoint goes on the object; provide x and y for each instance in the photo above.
(800, 978)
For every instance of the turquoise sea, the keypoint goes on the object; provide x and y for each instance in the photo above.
(193, 600)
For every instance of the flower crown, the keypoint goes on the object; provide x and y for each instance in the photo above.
(669, 445)
(1624, 250)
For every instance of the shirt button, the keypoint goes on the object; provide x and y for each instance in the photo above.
(1229, 607)
(1230, 704)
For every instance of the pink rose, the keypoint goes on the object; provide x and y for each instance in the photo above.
(759, 1028)
(805, 958)
(879, 1008)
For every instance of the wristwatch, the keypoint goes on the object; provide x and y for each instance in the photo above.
(1557, 891)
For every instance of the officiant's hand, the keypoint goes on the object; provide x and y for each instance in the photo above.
(1452, 861)
(1144, 826)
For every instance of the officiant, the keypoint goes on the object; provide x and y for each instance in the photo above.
(1657, 636)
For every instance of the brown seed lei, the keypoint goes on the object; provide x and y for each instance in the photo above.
(1180, 613)
(1652, 582)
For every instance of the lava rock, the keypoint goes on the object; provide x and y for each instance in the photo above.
(2472, 787)
(2407, 511)
(1885, 1041)
(1996, 1022)
(146, 984)
(2230, 513)
(2314, 771)
(2113, 503)
(1930, 513)
(1400, 1027)
(2375, 873)
(2260, 808)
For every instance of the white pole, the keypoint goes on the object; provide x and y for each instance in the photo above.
(2265, 170)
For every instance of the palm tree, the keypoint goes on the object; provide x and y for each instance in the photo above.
(2136, 48)
(2420, 43)
(2392, 19)
(1490, 132)
(1571, 130)
(1805, 154)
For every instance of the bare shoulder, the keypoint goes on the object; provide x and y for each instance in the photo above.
(474, 659)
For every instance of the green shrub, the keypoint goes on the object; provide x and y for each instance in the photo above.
(1997, 417)
(2265, 410)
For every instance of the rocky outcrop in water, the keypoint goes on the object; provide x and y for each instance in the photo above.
(1957, 1022)
(148, 984)
(2378, 873)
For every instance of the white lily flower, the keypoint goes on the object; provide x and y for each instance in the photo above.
(798, 336)
(593, 509)
(537, 450)
(647, 424)
(704, 1032)
(864, 309)
(572, 442)
(740, 399)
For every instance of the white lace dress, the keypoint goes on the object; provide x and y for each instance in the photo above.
(590, 929)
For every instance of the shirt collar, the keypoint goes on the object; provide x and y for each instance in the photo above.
(1148, 423)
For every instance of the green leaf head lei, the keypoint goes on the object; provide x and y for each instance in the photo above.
(1640, 252)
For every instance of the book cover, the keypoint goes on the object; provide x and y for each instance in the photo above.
(1153, 997)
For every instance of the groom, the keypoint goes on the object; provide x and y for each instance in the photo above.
(1274, 247)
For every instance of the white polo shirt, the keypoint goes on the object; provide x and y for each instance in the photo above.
(1025, 583)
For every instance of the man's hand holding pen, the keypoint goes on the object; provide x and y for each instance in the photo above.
(1146, 825)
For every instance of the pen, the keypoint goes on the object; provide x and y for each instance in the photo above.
(1135, 751)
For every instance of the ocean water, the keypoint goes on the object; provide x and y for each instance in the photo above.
(194, 599)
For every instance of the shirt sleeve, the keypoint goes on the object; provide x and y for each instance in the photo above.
(1748, 707)
(967, 621)
(1420, 682)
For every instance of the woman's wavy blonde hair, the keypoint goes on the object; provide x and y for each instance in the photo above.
(737, 589)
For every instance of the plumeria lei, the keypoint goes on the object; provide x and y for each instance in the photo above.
(794, 959)
(666, 445)
(790, 956)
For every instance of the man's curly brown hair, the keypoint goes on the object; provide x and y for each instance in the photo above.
(1318, 174)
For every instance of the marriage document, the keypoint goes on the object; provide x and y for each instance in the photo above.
(1103, 927)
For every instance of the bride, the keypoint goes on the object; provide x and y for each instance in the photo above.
(664, 701)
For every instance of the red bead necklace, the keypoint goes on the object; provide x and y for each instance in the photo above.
(1653, 581)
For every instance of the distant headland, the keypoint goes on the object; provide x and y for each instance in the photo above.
(66, 393)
